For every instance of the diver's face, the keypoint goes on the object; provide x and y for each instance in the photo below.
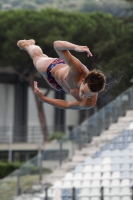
(84, 91)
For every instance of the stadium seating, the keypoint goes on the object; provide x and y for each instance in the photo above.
(109, 165)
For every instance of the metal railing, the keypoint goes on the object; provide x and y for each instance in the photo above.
(29, 134)
(101, 120)
(73, 193)
(92, 126)
(32, 171)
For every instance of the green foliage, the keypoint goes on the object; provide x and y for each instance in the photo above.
(82, 29)
(56, 136)
(7, 168)
(30, 168)
(28, 24)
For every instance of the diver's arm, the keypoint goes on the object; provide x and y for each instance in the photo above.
(62, 48)
(64, 45)
(63, 104)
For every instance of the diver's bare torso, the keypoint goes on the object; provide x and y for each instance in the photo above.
(64, 77)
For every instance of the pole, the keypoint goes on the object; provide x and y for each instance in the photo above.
(73, 194)
(40, 163)
(79, 139)
(132, 193)
(101, 193)
(131, 97)
(10, 146)
(18, 184)
(46, 193)
(60, 158)
(131, 100)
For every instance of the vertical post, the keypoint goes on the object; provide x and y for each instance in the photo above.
(97, 125)
(46, 193)
(10, 146)
(60, 154)
(20, 111)
(79, 139)
(18, 183)
(101, 193)
(114, 111)
(73, 194)
(73, 147)
(40, 163)
(131, 100)
(132, 193)
(103, 120)
(60, 120)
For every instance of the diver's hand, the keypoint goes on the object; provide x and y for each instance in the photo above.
(38, 92)
(83, 49)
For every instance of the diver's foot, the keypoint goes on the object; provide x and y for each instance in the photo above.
(23, 44)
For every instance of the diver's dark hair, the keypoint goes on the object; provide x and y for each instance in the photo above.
(95, 80)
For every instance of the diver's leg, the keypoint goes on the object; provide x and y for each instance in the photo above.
(40, 60)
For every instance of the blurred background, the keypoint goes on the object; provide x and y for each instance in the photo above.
(30, 128)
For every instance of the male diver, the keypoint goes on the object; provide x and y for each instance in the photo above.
(66, 74)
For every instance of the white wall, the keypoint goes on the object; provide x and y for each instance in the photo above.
(6, 104)
(32, 110)
(71, 115)
(7, 109)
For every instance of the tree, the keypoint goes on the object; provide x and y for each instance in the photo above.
(27, 24)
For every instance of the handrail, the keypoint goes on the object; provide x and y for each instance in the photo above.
(101, 120)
